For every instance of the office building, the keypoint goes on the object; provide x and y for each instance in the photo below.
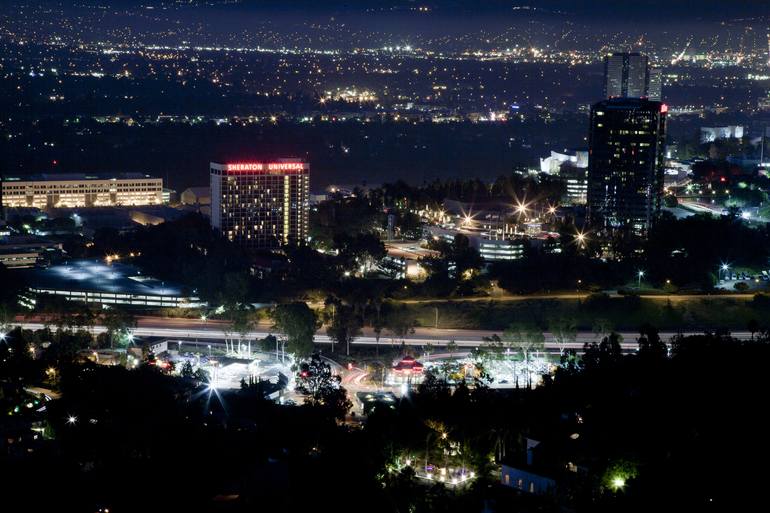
(81, 190)
(718, 133)
(625, 163)
(628, 75)
(261, 205)
(575, 179)
(22, 251)
(490, 247)
(655, 84)
(552, 164)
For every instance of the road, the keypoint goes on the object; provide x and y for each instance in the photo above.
(173, 328)
(575, 296)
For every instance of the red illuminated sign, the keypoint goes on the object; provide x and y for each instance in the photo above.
(663, 108)
(266, 166)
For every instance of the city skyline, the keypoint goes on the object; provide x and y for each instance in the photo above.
(402, 256)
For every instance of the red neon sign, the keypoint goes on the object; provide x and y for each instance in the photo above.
(663, 108)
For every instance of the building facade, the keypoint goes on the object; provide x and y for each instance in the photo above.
(626, 163)
(80, 190)
(491, 248)
(655, 84)
(628, 75)
(261, 205)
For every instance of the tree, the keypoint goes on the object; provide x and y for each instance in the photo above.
(345, 327)
(451, 347)
(753, 327)
(118, 323)
(201, 375)
(526, 338)
(240, 323)
(428, 350)
(322, 387)
(359, 251)
(400, 322)
(602, 327)
(5, 319)
(456, 262)
(605, 354)
(187, 370)
(650, 344)
(493, 347)
(268, 344)
(564, 331)
(298, 324)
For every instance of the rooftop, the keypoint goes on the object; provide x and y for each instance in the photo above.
(58, 177)
(98, 276)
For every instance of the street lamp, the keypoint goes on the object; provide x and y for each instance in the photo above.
(580, 238)
(640, 275)
(723, 268)
(209, 350)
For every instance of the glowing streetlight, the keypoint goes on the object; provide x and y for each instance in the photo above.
(522, 208)
(640, 275)
(71, 420)
(618, 482)
(580, 238)
(722, 269)
(2, 336)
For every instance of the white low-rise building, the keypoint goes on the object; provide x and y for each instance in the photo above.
(81, 190)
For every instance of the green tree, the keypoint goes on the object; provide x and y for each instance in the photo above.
(241, 323)
(187, 370)
(400, 322)
(298, 324)
(360, 251)
(452, 348)
(345, 326)
(457, 260)
(322, 387)
(119, 323)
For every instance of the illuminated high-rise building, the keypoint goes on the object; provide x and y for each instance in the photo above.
(626, 75)
(655, 84)
(625, 163)
(261, 205)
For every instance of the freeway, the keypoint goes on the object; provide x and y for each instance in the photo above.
(576, 296)
(214, 331)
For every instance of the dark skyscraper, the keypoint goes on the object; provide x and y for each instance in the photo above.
(625, 163)
(626, 75)
(261, 205)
